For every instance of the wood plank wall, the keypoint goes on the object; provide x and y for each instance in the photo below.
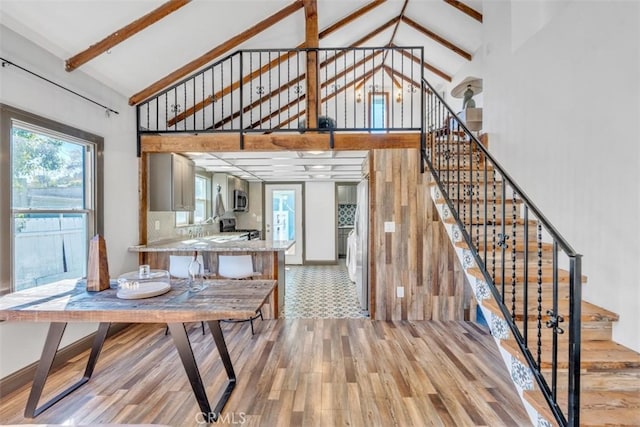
(418, 255)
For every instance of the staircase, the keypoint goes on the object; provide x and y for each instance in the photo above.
(525, 277)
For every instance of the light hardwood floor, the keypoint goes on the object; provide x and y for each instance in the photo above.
(301, 372)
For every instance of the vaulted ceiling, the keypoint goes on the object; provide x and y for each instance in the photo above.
(138, 47)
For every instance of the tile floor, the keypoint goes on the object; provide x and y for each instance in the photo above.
(321, 292)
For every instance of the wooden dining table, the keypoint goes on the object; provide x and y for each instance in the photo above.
(68, 301)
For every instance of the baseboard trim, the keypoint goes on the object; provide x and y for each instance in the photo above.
(24, 376)
(322, 262)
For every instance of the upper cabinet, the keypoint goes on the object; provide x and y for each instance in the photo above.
(347, 194)
(171, 182)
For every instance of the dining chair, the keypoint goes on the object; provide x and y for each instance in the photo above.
(179, 269)
(239, 267)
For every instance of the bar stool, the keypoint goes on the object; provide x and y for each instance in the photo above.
(239, 267)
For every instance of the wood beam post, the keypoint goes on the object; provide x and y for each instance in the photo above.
(465, 9)
(312, 41)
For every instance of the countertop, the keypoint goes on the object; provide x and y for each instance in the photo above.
(215, 243)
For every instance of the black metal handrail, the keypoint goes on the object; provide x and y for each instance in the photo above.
(469, 177)
(264, 90)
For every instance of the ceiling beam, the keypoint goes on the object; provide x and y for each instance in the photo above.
(215, 52)
(350, 18)
(202, 104)
(360, 41)
(426, 65)
(259, 101)
(465, 9)
(401, 76)
(312, 40)
(291, 83)
(393, 78)
(444, 42)
(326, 98)
(123, 33)
(366, 76)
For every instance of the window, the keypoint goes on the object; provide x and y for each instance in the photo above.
(203, 203)
(378, 117)
(54, 198)
(203, 198)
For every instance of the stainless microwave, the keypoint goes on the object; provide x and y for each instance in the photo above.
(240, 201)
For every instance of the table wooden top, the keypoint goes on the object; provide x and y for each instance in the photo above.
(70, 302)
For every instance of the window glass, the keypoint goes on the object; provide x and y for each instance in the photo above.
(202, 199)
(52, 209)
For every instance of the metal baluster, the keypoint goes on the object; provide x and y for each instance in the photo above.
(251, 87)
(526, 276)
(554, 322)
(539, 325)
(493, 228)
(485, 222)
(203, 89)
(476, 189)
(504, 237)
(270, 109)
(344, 84)
(513, 257)
(260, 88)
(222, 96)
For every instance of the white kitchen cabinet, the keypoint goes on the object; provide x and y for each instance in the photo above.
(171, 182)
(347, 194)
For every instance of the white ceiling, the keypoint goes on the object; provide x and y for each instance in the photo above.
(67, 27)
(285, 165)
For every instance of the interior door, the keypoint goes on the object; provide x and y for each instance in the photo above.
(283, 217)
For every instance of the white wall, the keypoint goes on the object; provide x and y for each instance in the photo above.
(320, 221)
(20, 344)
(561, 107)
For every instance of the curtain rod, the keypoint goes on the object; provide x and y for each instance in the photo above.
(6, 61)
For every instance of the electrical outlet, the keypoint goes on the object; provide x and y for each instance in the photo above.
(389, 227)
(400, 291)
(157, 225)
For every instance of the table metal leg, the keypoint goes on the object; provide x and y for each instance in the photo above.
(181, 341)
(46, 361)
(214, 327)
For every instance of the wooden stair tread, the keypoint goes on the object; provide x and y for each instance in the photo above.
(597, 408)
(595, 355)
(627, 379)
(546, 276)
(589, 312)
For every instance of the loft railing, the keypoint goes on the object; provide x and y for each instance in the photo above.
(266, 91)
(504, 231)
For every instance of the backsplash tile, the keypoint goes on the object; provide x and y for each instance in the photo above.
(346, 214)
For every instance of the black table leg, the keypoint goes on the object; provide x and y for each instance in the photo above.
(214, 327)
(181, 341)
(46, 361)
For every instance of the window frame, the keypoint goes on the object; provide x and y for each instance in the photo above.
(190, 215)
(9, 115)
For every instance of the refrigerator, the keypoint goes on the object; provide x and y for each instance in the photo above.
(361, 231)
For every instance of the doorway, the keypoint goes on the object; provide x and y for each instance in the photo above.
(283, 218)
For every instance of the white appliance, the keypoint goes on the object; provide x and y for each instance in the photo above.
(361, 232)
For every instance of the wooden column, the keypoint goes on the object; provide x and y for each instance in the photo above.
(311, 41)
(143, 164)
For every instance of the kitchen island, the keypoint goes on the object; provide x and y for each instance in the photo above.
(268, 259)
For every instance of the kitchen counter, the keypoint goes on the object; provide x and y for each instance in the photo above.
(226, 242)
(268, 258)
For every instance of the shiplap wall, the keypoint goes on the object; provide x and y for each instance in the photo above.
(418, 255)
